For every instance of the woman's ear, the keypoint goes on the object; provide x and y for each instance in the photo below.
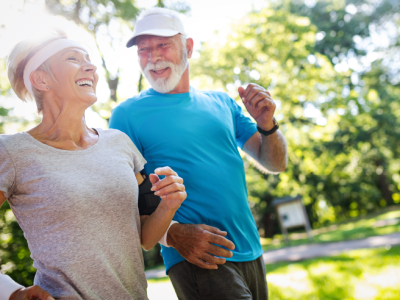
(39, 80)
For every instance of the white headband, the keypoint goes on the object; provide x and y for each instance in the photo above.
(44, 54)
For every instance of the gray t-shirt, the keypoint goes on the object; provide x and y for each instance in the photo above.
(79, 214)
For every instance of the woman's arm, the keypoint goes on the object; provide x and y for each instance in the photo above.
(172, 193)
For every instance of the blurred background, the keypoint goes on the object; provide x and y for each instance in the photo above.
(332, 66)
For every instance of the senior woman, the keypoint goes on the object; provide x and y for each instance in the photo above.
(73, 189)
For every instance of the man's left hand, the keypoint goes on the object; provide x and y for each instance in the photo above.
(259, 104)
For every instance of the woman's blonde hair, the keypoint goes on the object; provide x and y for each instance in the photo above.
(19, 57)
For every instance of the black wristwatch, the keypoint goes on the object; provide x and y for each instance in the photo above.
(269, 132)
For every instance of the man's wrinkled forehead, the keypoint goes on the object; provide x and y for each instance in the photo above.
(142, 39)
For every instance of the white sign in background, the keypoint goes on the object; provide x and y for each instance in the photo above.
(291, 214)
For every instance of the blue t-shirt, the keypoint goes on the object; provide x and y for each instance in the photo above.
(197, 135)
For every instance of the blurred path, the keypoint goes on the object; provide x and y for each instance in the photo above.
(314, 250)
(328, 249)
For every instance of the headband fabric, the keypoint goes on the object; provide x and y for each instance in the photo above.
(44, 54)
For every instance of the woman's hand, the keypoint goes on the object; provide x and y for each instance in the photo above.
(172, 193)
(33, 292)
(170, 189)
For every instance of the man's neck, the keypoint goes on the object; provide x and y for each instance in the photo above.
(183, 85)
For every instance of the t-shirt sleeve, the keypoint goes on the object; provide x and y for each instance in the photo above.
(7, 172)
(138, 159)
(244, 126)
(120, 120)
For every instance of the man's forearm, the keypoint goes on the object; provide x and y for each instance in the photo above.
(273, 152)
(270, 150)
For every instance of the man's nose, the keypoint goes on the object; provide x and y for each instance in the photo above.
(155, 55)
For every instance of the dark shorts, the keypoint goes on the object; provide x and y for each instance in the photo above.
(231, 281)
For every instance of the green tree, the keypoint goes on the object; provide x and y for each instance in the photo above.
(96, 17)
(364, 179)
(4, 90)
(273, 49)
(341, 123)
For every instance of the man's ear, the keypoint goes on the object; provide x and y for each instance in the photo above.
(189, 47)
(39, 80)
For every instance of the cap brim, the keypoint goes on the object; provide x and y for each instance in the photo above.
(158, 32)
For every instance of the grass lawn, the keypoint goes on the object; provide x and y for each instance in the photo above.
(358, 274)
(383, 223)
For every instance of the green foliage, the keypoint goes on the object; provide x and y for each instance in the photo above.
(4, 90)
(4, 83)
(14, 252)
(364, 147)
(179, 6)
(272, 48)
(342, 124)
(92, 14)
(339, 23)
(152, 257)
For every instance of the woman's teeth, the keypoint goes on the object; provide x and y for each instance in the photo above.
(85, 82)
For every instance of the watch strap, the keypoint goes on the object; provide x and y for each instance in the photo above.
(271, 131)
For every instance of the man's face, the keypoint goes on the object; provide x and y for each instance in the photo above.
(162, 60)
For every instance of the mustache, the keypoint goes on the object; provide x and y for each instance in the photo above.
(158, 66)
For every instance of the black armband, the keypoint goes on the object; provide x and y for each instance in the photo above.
(148, 202)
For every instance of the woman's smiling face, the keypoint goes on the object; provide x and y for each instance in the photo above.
(75, 75)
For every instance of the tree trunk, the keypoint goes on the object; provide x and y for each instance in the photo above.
(268, 224)
(383, 183)
(113, 85)
(268, 219)
(77, 20)
(140, 82)
(386, 192)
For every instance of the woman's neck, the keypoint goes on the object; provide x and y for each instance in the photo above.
(64, 128)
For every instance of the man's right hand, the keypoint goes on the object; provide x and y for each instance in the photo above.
(195, 244)
(31, 293)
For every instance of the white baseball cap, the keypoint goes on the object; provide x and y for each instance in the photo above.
(156, 24)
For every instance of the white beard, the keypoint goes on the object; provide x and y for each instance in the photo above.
(165, 85)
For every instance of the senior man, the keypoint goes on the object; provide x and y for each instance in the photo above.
(214, 251)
